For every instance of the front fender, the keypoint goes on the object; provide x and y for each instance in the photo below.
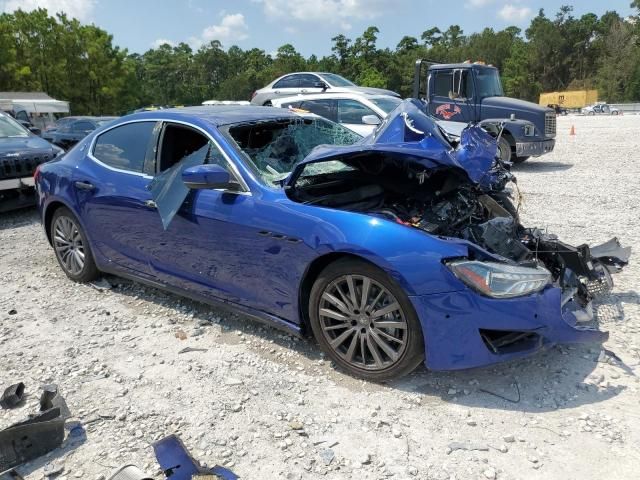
(410, 256)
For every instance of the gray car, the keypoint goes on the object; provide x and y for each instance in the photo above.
(310, 82)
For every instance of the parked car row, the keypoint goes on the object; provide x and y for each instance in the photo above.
(68, 131)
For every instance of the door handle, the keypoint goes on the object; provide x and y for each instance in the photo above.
(304, 90)
(85, 186)
(150, 204)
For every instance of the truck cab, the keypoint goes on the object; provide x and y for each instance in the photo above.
(472, 93)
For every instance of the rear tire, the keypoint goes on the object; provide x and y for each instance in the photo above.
(71, 247)
(365, 322)
(267, 104)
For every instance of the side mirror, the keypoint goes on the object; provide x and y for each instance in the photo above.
(321, 85)
(208, 176)
(370, 120)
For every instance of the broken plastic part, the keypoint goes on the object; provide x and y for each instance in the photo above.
(12, 395)
(178, 464)
(37, 436)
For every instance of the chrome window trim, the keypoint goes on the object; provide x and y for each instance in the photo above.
(235, 172)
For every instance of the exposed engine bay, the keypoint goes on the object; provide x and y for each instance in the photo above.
(443, 201)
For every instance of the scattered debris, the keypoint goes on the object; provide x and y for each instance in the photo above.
(37, 436)
(101, 285)
(178, 464)
(181, 335)
(129, 472)
(327, 455)
(453, 446)
(12, 396)
(54, 468)
(502, 396)
(192, 349)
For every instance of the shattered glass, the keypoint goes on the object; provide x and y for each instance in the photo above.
(169, 191)
(290, 142)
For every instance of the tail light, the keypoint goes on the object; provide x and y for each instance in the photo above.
(36, 175)
(254, 94)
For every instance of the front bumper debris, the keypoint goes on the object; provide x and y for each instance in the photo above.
(534, 149)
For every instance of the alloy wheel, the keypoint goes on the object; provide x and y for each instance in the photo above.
(363, 322)
(68, 245)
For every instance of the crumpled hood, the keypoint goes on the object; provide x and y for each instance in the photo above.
(30, 144)
(409, 134)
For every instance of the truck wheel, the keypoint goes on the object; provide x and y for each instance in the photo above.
(504, 150)
(518, 159)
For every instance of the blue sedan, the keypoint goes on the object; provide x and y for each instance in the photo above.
(400, 248)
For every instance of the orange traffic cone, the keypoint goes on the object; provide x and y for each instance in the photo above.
(573, 131)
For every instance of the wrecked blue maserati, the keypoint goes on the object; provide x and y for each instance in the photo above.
(392, 250)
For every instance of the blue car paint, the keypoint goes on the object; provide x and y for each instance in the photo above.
(252, 252)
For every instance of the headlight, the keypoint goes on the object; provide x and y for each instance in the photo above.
(499, 280)
(529, 130)
(57, 151)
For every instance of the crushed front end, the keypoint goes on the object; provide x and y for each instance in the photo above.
(520, 288)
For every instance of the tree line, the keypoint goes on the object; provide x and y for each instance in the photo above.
(80, 63)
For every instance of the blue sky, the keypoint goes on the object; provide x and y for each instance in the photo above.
(307, 24)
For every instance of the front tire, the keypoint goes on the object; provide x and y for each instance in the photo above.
(71, 247)
(365, 322)
(504, 150)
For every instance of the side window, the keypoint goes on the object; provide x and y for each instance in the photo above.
(83, 126)
(22, 115)
(308, 80)
(352, 111)
(290, 81)
(443, 83)
(178, 143)
(125, 147)
(463, 81)
(324, 108)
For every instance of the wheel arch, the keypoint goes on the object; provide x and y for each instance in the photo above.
(311, 274)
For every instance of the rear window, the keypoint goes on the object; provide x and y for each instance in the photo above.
(125, 147)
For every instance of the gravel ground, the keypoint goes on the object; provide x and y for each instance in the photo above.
(269, 406)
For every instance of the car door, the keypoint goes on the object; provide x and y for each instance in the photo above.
(309, 83)
(213, 244)
(286, 86)
(323, 107)
(111, 189)
(350, 113)
(445, 84)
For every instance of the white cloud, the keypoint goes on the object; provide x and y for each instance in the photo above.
(512, 13)
(232, 28)
(161, 41)
(80, 9)
(324, 11)
(478, 3)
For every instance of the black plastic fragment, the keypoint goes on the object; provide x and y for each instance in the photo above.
(37, 436)
(12, 396)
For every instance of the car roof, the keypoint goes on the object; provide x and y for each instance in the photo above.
(332, 95)
(217, 115)
(438, 66)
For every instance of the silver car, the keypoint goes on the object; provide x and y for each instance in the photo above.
(310, 82)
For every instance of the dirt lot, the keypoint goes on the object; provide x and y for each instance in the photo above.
(270, 407)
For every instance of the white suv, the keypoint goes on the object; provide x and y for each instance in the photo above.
(310, 82)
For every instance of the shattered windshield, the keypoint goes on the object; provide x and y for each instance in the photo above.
(11, 129)
(488, 83)
(273, 147)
